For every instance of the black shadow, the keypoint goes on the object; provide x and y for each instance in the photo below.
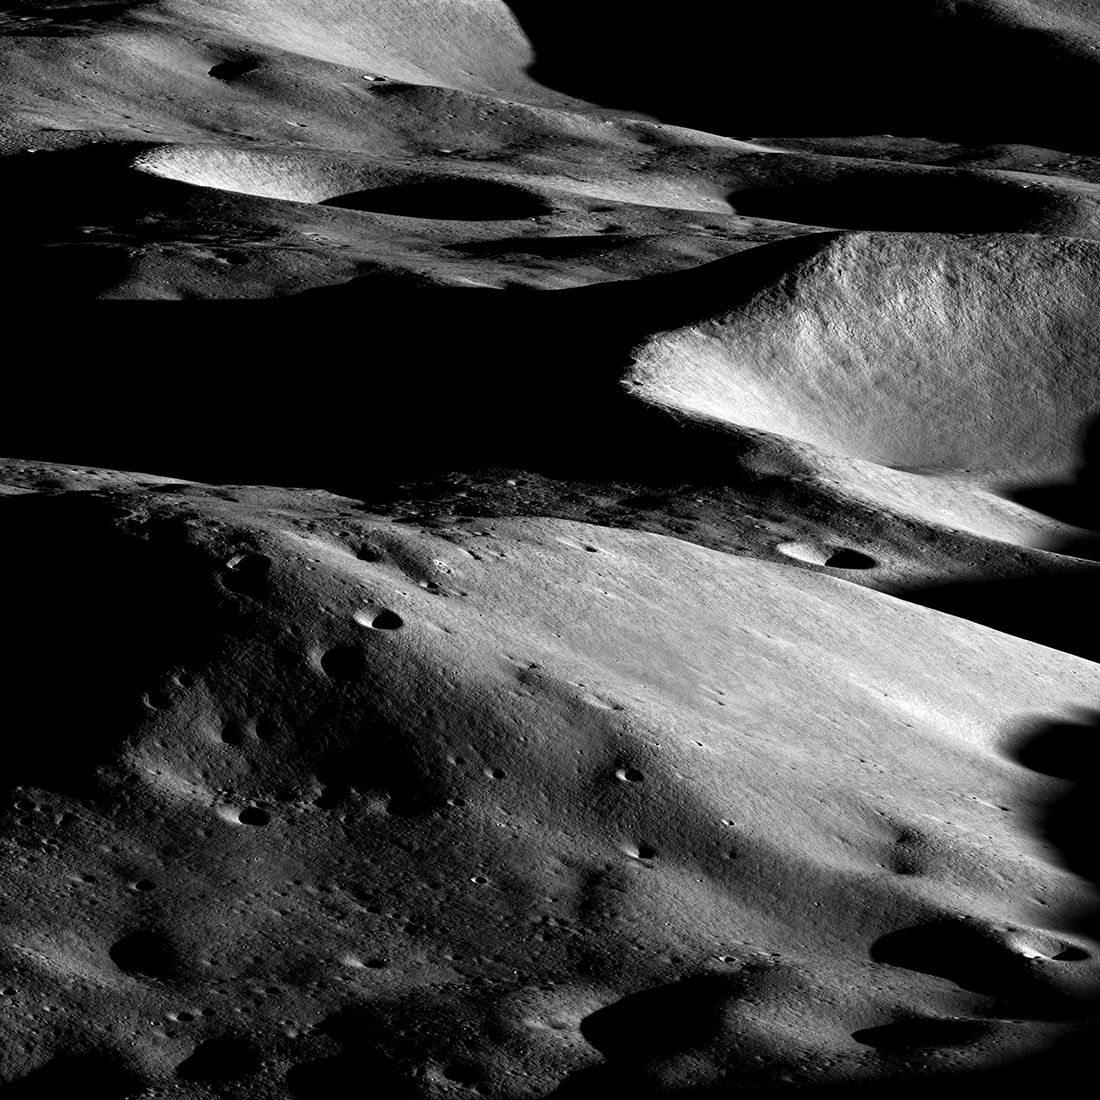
(953, 71)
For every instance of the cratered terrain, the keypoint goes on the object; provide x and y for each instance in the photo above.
(677, 676)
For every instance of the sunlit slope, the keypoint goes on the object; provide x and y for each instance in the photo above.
(951, 353)
(500, 776)
(474, 45)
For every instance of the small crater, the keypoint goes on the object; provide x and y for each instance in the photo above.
(850, 559)
(332, 796)
(247, 574)
(909, 1034)
(387, 620)
(464, 1073)
(253, 815)
(630, 775)
(267, 728)
(809, 552)
(144, 885)
(343, 663)
(230, 70)
(249, 563)
(369, 554)
(232, 733)
(1071, 954)
(159, 700)
(145, 953)
(480, 880)
(814, 553)
(221, 1059)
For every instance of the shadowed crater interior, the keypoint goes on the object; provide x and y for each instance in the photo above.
(116, 651)
(951, 202)
(660, 1021)
(66, 1076)
(145, 953)
(1065, 750)
(862, 67)
(964, 953)
(551, 248)
(453, 199)
(230, 70)
(72, 272)
(247, 574)
(349, 1075)
(344, 663)
(850, 559)
(223, 1058)
(908, 1034)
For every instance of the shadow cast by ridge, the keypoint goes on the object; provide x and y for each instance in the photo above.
(1045, 607)
(1076, 502)
(59, 653)
(425, 380)
(1069, 751)
(929, 69)
(931, 201)
(957, 951)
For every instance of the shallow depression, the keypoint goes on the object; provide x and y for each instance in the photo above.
(814, 553)
(332, 180)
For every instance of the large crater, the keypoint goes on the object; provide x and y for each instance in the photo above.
(372, 186)
(972, 355)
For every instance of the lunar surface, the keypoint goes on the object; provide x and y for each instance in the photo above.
(676, 677)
